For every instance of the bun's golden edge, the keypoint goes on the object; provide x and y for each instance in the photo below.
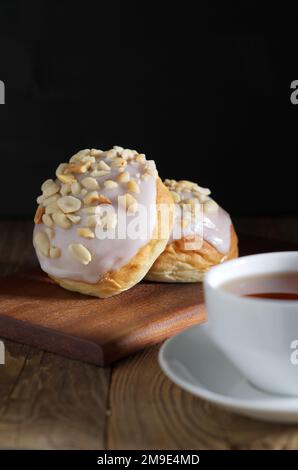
(115, 282)
(176, 264)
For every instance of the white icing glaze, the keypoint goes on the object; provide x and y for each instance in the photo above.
(107, 254)
(215, 227)
(217, 230)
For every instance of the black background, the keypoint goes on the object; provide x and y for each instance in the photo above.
(205, 92)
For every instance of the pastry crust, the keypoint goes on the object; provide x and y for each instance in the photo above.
(177, 264)
(130, 274)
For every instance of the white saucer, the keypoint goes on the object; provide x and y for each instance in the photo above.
(193, 362)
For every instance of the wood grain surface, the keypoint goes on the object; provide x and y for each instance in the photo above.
(50, 402)
(36, 311)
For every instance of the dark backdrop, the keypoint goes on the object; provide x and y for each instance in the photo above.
(205, 92)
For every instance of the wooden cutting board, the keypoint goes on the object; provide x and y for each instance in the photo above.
(37, 312)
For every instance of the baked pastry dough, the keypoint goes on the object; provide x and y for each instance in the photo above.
(203, 236)
(90, 236)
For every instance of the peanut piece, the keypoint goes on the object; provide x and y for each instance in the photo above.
(69, 204)
(110, 154)
(79, 155)
(61, 168)
(99, 173)
(92, 220)
(123, 177)
(50, 190)
(76, 188)
(192, 201)
(132, 208)
(185, 184)
(104, 200)
(175, 196)
(210, 207)
(46, 184)
(201, 197)
(103, 166)
(141, 158)
(47, 220)
(75, 219)
(51, 208)
(39, 215)
(172, 184)
(50, 200)
(85, 232)
(80, 253)
(110, 184)
(151, 168)
(67, 179)
(96, 152)
(89, 183)
(78, 168)
(127, 154)
(133, 186)
(65, 189)
(204, 191)
(118, 149)
(118, 162)
(110, 221)
(88, 158)
(91, 198)
(145, 176)
(61, 220)
(42, 243)
(130, 203)
(55, 252)
(50, 232)
(94, 198)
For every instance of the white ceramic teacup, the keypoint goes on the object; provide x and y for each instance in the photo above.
(258, 335)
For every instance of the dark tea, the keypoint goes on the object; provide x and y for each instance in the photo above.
(278, 286)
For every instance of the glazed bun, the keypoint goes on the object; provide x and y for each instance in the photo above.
(98, 225)
(203, 236)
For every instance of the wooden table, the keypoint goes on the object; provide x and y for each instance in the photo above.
(50, 402)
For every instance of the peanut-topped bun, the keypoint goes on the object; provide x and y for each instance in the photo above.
(203, 236)
(98, 228)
